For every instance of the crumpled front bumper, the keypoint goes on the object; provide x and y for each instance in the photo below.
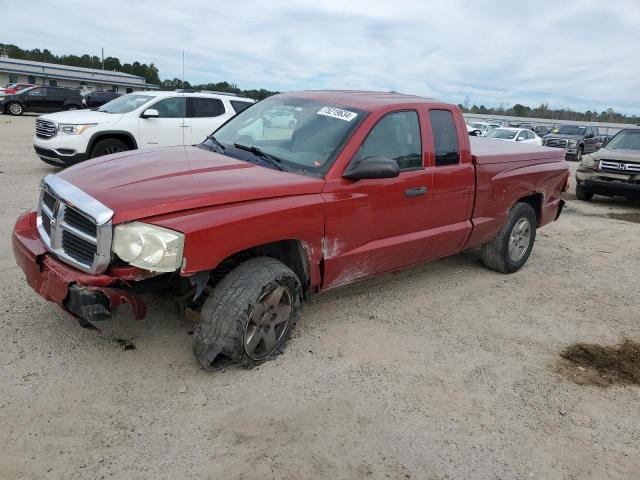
(87, 297)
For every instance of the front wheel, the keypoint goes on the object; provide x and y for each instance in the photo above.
(108, 146)
(249, 316)
(579, 154)
(15, 108)
(582, 194)
(511, 247)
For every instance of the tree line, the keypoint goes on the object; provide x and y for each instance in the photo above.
(545, 111)
(149, 72)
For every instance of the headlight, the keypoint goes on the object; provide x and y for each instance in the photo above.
(572, 143)
(588, 162)
(75, 129)
(146, 246)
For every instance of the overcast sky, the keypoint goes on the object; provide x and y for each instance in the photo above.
(573, 53)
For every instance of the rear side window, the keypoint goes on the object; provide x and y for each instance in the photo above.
(445, 137)
(239, 106)
(395, 136)
(206, 107)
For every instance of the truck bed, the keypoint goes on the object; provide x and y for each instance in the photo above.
(487, 150)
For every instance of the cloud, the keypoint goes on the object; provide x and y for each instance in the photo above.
(579, 54)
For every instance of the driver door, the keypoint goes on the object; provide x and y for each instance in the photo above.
(377, 225)
(168, 129)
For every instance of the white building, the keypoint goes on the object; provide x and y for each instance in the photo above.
(13, 70)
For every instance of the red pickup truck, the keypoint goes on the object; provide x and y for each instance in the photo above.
(243, 227)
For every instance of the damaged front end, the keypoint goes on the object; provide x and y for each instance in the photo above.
(88, 297)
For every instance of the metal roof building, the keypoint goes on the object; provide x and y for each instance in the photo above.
(13, 70)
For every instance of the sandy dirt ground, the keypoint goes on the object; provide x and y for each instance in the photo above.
(444, 371)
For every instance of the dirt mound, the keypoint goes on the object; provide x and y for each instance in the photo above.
(592, 364)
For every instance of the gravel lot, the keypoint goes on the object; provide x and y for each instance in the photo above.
(444, 371)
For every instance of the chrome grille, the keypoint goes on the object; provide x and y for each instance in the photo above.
(45, 129)
(74, 226)
(620, 167)
(556, 142)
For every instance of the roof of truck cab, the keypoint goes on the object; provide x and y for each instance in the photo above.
(365, 100)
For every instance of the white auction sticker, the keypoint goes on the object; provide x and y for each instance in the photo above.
(337, 113)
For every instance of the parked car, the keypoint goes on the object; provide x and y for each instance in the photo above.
(482, 126)
(280, 118)
(40, 100)
(15, 88)
(541, 130)
(523, 135)
(473, 132)
(614, 170)
(576, 140)
(243, 233)
(98, 98)
(134, 121)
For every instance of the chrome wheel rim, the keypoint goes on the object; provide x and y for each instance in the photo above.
(268, 323)
(519, 239)
(111, 150)
(15, 109)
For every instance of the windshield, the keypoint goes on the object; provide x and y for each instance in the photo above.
(480, 126)
(303, 134)
(502, 134)
(625, 140)
(571, 130)
(125, 104)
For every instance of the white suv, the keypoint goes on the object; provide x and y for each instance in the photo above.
(137, 120)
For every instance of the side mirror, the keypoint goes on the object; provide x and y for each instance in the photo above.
(589, 135)
(150, 113)
(372, 168)
(520, 139)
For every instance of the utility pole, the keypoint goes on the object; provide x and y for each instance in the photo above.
(103, 58)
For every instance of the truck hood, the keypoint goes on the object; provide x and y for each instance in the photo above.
(626, 155)
(568, 137)
(140, 184)
(79, 117)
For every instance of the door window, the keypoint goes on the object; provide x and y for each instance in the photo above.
(206, 107)
(445, 137)
(395, 136)
(170, 107)
(37, 92)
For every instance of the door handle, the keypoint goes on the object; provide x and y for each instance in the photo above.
(415, 191)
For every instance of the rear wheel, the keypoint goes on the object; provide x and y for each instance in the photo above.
(108, 146)
(511, 247)
(582, 194)
(249, 316)
(15, 108)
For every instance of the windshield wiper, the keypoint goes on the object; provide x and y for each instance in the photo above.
(273, 160)
(215, 141)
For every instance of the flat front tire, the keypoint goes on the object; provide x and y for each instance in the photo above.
(249, 316)
(511, 247)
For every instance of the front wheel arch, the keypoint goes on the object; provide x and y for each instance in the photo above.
(121, 135)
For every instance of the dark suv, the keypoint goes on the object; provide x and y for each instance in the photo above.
(97, 99)
(575, 139)
(41, 100)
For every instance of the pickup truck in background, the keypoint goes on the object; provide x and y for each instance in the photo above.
(576, 140)
(242, 228)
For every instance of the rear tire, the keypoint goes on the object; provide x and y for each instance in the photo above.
(108, 146)
(582, 194)
(14, 108)
(511, 247)
(249, 316)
